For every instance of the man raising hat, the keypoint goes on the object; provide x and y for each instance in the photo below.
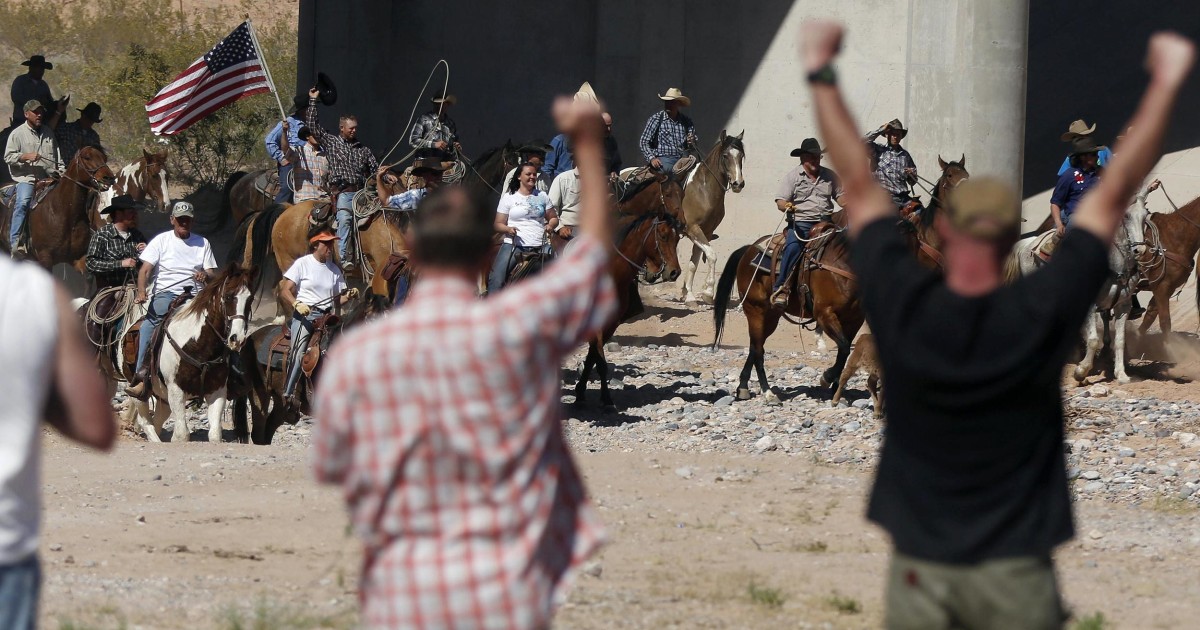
(806, 194)
(668, 134)
(113, 251)
(80, 133)
(435, 129)
(895, 169)
(276, 146)
(1080, 129)
(31, 154)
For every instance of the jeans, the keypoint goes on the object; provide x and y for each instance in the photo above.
(668, 162)
(285, 185)
(792, 249)
(506, 259)
(302, 330)
(20, 584)
(23, 197)
(401, 290)
(154, 316)
(345, 214)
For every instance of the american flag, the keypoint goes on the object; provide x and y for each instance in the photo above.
(228, 72)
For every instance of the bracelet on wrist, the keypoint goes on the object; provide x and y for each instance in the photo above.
(825, 74)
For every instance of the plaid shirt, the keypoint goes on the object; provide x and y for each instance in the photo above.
(350, 163)
(442, 423)
(310, 170)
(107, 249)
(890, 165)
(672, 135)
(428, 129)
(72, 136)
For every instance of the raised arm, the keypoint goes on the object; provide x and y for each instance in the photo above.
(1168, 60)
(310, 116)
(866, 200)
(581, 121)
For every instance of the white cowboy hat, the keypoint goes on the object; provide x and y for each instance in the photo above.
(585, 91)
(449, 98)
(673, 94)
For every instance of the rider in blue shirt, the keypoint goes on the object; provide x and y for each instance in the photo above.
(1084, 173)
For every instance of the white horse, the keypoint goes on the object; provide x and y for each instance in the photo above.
(193, 360)
(1116, 296)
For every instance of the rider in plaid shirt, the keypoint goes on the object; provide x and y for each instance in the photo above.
(442, 422)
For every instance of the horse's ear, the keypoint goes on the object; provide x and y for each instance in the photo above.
(723, 135)
(942, 163)
(146, 154)
(963, 161)
(741, 134)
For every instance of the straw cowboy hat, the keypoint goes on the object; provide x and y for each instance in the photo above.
(810, 146)
(673, 94)
(1085, 144)
(38, 60)
(586, 92)
(1077, 129)
(449, 99)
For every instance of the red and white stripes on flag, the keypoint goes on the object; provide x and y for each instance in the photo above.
(233, 69)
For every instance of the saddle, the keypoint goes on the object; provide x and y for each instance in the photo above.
(41, 188)
(529, 262)
(396, 265)
(275, 355)
(322, 213)
(267, 183)
(1045, 245)
(130, 343)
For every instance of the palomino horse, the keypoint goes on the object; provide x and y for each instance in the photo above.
(199, 339)
(704, 205)
(59, 228)
(834, 304)
(1173, 240)
(144, 179)
(649, 225)
(1116, 297)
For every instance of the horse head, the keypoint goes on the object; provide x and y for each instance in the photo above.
(953, 174)
(667, 226)
(152, 179)
(1136, 217)
(732, 152)
(93, 162)
(233, 287)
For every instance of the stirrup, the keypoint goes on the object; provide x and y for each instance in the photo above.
(781, 297)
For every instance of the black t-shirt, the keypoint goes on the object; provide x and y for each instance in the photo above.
(972, 466)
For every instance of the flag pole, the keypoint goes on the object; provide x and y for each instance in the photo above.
(267, 71)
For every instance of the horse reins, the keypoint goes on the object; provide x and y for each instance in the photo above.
(661, 216)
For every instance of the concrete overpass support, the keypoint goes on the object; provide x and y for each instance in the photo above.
(965, 78)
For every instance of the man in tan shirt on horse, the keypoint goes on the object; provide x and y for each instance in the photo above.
(31, 154)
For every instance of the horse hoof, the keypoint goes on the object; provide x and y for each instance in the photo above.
(743, 393)
(824, 382)
(689, 299)
(1123, 379)
(771, 398)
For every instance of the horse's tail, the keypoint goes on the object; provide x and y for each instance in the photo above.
(724, 291)
(1012, 265)
(227, 198)
(260, 234)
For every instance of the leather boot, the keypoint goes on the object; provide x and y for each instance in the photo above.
(781, 296)
(139, 387)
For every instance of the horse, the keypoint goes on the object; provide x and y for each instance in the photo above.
(649, 226)
(144, 179)
(59, 227)
(834, 302)
(109, 319)
(1116, 297)
(240, 198)
(483, 177)
(194, 358)
(704, 205)
(1173, 240)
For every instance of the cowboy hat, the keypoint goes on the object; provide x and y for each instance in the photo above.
(449, 99)
(324, 235)
(810, 145)
(427, 164)
(1078, 128)
(585, 91)
(299, 102)
(38, 60)
(535, 146)
(895, 125)
(328, 91)
(121, 202)
(1085, 144)
(673, 94)
(91, 110)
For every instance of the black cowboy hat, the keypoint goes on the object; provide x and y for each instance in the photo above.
(1085, 144)
(121, 202)
(299, 102)
(535, 146)
(895, 125)
(91, 110)
(427, 164)
(810, 145)
(327, 89)
(38, 60)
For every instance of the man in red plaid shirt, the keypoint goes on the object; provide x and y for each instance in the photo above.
(442, 423)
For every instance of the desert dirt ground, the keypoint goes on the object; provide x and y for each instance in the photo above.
(226, 535)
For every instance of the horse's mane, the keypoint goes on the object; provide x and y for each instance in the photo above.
(634, 220)
(935, 204)
(213, 292)
(632, 191)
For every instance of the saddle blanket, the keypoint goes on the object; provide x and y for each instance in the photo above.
(265, 356)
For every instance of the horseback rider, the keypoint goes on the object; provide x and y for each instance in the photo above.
(435, 129)
(309, 164)
(112, 254)
(312, 286)
(806, 194)
(179, 259)
(1079, 129)
(524, 216)
(277, 148)
(894, 166)
(1085, 173)
(350, 164)
(32, 87)
(536, 153)
(564, 198)
(31, 154)
(612, 154)
(80, 133)
(668, 134)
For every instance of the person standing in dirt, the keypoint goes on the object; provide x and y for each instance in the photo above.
(442, 421)
(972, 481)
(57, 383)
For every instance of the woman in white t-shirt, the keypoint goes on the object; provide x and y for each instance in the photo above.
(312, 286)
(525, 218)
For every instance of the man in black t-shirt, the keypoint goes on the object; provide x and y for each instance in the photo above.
(972, 482)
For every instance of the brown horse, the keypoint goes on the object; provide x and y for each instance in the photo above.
(928, 242)
(59, 227)
(649, 225)
(1174, 238)
(240, 199)
(825, 269)
(704, 205)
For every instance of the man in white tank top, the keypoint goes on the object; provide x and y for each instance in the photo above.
(39, 332)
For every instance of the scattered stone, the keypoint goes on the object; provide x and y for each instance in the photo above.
(612, 346)
(1127, 452)
(1094, 486)
(141, 519)
(861, 403)
(593, 569)
(765, 443)
(724, 401)
(1090, 474)
(1098, 391)
(1095, 534)
(685, 472)
(55, 547)
(850, 427)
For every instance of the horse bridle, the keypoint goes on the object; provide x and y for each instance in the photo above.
(721, 160)
(94, 184)
(662, 216)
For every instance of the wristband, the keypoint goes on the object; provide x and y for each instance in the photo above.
(825, 74)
